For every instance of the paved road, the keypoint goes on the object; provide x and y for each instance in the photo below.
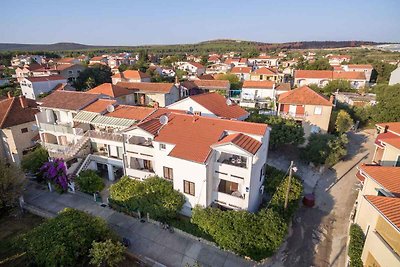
(319, 234)
(148, 240)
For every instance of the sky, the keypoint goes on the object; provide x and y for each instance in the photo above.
(124, 22)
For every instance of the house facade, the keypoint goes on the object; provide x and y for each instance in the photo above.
(323, 77)
(387, 144)
(265, 74)
(32, 87)
(366, 68)
(260, 93)
(130, 76)
(395, 76)
(308, 107)
(193, 68)
(243, 73)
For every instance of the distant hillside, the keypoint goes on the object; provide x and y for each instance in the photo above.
(220, 45)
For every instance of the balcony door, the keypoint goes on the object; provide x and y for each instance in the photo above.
(292, 110)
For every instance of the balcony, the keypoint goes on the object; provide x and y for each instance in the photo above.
(55, 148)
(140, 145)
(115, 137)
(290, 115)
(229, 201)
(232, 159)
(141, 174)
(56, 128)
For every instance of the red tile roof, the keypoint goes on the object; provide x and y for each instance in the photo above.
(349, 75)
(243, 141)
(389, 207)
(163, 88)
(216, 103)
(12, 113)
(283, 87)
(212, 84)
(68, 100)
(360, 66)
(303, 96)
(329, 74)
(206, 77)
(241, 69)
(194, 135)
(388, 138)
(131, 112)
(197, 65)
(392, 126)
(46, 78)
(100, 105)
(258, 84)
(264, 71)
(110, 90)
(387, 177)
(131, 74)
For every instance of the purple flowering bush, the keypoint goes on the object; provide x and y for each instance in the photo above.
(55, 171)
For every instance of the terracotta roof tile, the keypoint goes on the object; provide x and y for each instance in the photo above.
(194, 135)
(212, 84)
(329, 74)
(206, 77)
(216, 103)
(264, 71)
(283, 87)
(197, 65)
(131, 112)
(387, 177)
(131, 74)
(392, 126)
(243, 141)
(360, 66)
(110, 90)
(12, 113)
(303, 96)
(46, 78)
(388, 138)
(163, 88)
(241, 70)
(68, 100)
(388, 206)
(100, 105)
(258, 84)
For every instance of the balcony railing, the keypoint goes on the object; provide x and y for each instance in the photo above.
(56, 128)
(292, 115)
(106, 136)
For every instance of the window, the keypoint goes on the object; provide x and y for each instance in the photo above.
(197, 113)
(318, 110)
(397, 161)
(188, 187)
(24, 130)
(162, 146)
(168, 173)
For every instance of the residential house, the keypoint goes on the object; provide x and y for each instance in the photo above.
(120, 94)
(323, 77)
(243, 73)
(305, 105)
(193, 68)
(261, 94)
(338, 59)
(194, 87)
(98, 60)
(154, 94)
(26, 71)
(218, 68)
(17, 127)
(192, 58)
(387, 144)
(133, 76)
(68, 71)
(366, 68)
(22, 60)
(265, 74)
(377, 213)
(232, 61)
(68, 61)
(214, 59)
(210, 105)
(395, 76)
(264, 61)
(33, 87)
(356, 99)
(211, 161)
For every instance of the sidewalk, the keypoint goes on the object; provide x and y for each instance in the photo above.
(148, 240)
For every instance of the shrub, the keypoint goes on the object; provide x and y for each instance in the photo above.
(356, 245)
(12, 181)
(66, 239)
(155, 196)
(324, 149)
(107, 253)
(55, 171)
(35, 159)
(89, 182)
(343, 122)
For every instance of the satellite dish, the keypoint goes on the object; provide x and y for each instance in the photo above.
(110, 108)
(229, 102)
(191, 109)
(163, 119)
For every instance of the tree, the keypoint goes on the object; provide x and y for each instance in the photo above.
(55, 171)
(234, 81)
(12, 181)
(35, 159)
(284, 131)
(343, 122)
(388, 108)
(107, 253)
(337, 85)
(66, 239)
(383, 71)
(90, 182)
(319, 64)
(92, 77)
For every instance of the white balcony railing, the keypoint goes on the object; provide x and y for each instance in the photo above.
(230, 201)
(56, 128)
(141, 174)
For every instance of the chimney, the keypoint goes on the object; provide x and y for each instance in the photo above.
(386, 128)
(9, 94)
(22, 100)
(156, 105)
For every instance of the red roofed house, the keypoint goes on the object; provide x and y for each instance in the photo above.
(193, 68)
(211, 161)
(260, 93)
(366, 68)
(323, 77)
(32, 87)
(210, 105)
(121, 94)
(264, 61)
(243, 73)
(17, 132)
(338, 59)
(387, 144)
(305, 105)
(265, 74)
(131, 76)
(378, 214)
(98, 60)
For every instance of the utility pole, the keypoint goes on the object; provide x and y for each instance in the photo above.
(288, 187)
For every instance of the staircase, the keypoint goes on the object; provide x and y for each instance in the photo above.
(71, 151)
(85, 163)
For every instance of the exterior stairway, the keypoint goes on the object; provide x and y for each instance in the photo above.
(71, 151)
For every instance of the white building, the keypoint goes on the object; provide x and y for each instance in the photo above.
(366, 68)
(323, 77)
(193, 68)
(261, 93)
(243, 73)
(132, 76)
(32, 87)
(395, 76)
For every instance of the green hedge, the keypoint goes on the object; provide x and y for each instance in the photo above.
(90, 182)
(256, 235)
(154, 195)
(35, 159)
(356, 245)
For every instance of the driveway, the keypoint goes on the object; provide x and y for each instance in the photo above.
(318, 236)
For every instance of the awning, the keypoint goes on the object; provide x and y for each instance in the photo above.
(85, 116)
(111, 121)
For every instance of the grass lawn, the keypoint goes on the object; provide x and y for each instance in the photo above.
(12, 226)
